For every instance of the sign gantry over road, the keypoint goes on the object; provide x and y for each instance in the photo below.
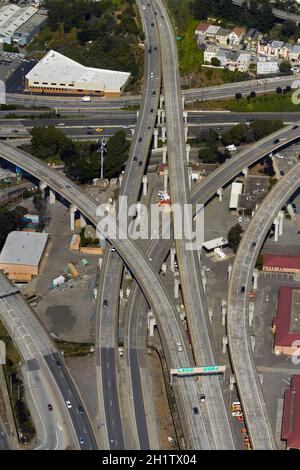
(206, 370)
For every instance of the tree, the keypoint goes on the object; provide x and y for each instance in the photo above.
(252, 94)
(238, 96)
(234, 237)
(285, 66)
(259, 262)
(215, 62)
(288, 28)
(279, 90)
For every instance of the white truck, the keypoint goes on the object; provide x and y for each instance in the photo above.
(86, 98)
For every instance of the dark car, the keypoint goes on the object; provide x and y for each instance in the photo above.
(135, 159)
(152, 24)
(50, 407)
(295, 127)
(140, 139)
(80, 410)
(281, 172)
(153, 93)
(104, 303)
(195, 410)
(58, 363)
(243, 289)
(202, 397)
(151, 110)
(276, 141)
(140, 163)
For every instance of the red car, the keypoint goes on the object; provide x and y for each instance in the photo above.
(50, 407)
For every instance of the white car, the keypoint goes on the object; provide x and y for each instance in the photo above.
(144, 8)
(240, 219)
(68, 404)
(152, 74)
(206, 269)
(277, 155)
(61, 124)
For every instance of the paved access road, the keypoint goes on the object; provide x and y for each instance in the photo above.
(46, 379)
(250, 390)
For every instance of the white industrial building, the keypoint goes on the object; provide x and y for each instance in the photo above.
(236, 190)
(12, 17)
(267, 67)
(56, 73)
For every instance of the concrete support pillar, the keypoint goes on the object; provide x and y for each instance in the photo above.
(190, 177)
(231, 382)
(82, 221)
(52, 197)
(224, 316)
(166, 177)
(229, 270)
(186, 129)
(127, 292)
(252, 338)
(121, 294)
(224, 343)
(161, 101)
(155, 138)
(145, 185)
(245, 171)
(158, 117)
(281, 218)
(176, 287)
(120, 179)
(255, 278)
(163, 116)
(210, 314)
(220, 194)
(163, 133)
(185, 117)
(138, 210)
(151, 323)
(188, 152)
(43, 186)
(291, 211)
(251, 313)
(164, 157)
(183, 101)
(73, 209)
(172, 259)
(132, 129)
(276, 233)
(164, 268)
(204, 282)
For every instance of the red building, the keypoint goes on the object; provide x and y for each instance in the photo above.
(286, 341)
(291, 415)
(282, 264)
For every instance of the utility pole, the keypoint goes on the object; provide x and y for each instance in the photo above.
(102, 149)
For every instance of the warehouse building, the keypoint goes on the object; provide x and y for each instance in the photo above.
(282, 264)
(291, 415)
(12, 17)
(56, 73)
(22, 255)
(25, 33)
(286, 326)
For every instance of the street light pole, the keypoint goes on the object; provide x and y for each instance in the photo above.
(102, 149)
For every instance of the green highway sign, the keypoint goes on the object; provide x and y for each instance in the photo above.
(185, 370)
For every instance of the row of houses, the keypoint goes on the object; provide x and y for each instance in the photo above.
(232, 60)
(225, 37)
(279, 50)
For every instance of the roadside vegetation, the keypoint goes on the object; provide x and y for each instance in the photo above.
(280, 101)
(215, 151)
(10, 220)
(102, 34)
(15, 386)
(72, 349)
(81, 159)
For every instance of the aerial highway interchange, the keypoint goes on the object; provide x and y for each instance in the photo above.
(47, 376)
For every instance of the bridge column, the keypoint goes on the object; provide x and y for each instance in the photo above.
(291, 211)
(145, 185)
(164, 158)
(161, 101)
(281, 217)
(163, 133)
(166, 177)
(185, 117)
(155, 138)
(245, 171)
(172, 259)
(251, 313)
(138, 210)
(176, 287)
(220, 194)
(121, 294)
(255, 278)
(224, 312)
(183, 101)
(186, 128)
(73, 209)
(52, 198)
(158, 117)
(231, 382)
(276, 233)
(229, 269)
(224, 342)
(210, 314)
(43, 186)
(188, 152)
(82, 221)
(132, 131)
(151, 323)
(163, 116)
(190, 177)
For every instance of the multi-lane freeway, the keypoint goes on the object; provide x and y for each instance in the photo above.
(256, 413)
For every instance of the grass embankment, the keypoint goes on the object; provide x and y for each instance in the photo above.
(15, 385)
(72, 349)
(271, 102)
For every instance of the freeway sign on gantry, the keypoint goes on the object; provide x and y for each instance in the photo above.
(199, 370)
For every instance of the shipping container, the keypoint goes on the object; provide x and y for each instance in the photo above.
(57, 282)
(72, 270)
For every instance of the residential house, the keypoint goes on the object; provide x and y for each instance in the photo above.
(222, 57)
(263, 46)
(201, 30)
(211, 31)
(237, 35)
(285, 51)
(275, 48)
(267, 67)
(222, 37)
(294, 55)
(210, 52)
(243, 62)
(252, 38)
(231, 62)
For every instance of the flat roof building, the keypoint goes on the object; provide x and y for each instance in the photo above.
(286, 325)
(25, 33)
(282, 264)
(291, 415)
(22, 253)
(13, 17)
(56, 73)
(236, 190)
